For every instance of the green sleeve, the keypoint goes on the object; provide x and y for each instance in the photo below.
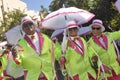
(115, 35)
(92, 53)
(57, 51)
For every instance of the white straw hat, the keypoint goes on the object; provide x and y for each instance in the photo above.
(71, 24)
(97, 22)
(27, 19)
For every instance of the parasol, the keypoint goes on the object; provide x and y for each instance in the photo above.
(84, 30)
(59, 18)
(14, 34)
(117, 4)
(81, 31)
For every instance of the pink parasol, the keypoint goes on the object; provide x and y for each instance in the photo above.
(82, 31)
(117, 4)
(15, 34)
(58, 19)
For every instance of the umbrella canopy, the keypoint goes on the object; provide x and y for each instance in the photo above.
(14, 34)
(117, 4)
(57, 33)
(59, 18)
(82, 31)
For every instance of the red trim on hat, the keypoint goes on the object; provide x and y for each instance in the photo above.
(97, 23)
(25, 20)
(72, 25)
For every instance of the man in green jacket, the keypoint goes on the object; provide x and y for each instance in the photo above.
(77, 57)
(35, 52)
(102, 51)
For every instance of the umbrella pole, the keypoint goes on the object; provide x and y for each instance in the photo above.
(64, 44)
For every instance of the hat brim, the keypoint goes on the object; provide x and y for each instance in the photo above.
(28, 21)
(72, 27)
(103, 28)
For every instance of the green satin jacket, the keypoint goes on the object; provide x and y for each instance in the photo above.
(107, 57)
(78, 64)
(35, 63)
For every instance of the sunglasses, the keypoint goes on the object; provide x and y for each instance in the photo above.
(75, 28)
(27, 24)
(96, 28)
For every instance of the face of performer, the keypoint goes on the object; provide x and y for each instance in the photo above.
(96, 30)
(73, 31)
(28, 28)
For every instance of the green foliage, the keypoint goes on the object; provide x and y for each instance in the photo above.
(54, 5)
(43, 12)
(103, 9)
(15, 17)
(11, 19)
(47, 32)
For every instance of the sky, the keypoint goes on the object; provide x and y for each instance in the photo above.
(35, 4)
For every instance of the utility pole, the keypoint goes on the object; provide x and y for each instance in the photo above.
(2, 8)
(3, 16)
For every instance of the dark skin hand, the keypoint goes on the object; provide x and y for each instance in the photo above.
(14, 52)
(106, 69)
(8, 48)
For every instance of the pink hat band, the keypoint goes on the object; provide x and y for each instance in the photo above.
(25, 20)
(97, 23)
(70, 25)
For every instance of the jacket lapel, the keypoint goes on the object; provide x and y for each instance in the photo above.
(76, 47)
(41, 41)
(30, 42)
(96, 40)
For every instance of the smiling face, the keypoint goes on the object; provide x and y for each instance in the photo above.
(96, 30)
(28, 28)
(73, 31)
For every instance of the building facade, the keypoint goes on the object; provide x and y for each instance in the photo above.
(10, 5)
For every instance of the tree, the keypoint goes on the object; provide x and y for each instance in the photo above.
(54, 5)
(12, 19)
(106, 11)
(103, 9)
(43, 12)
